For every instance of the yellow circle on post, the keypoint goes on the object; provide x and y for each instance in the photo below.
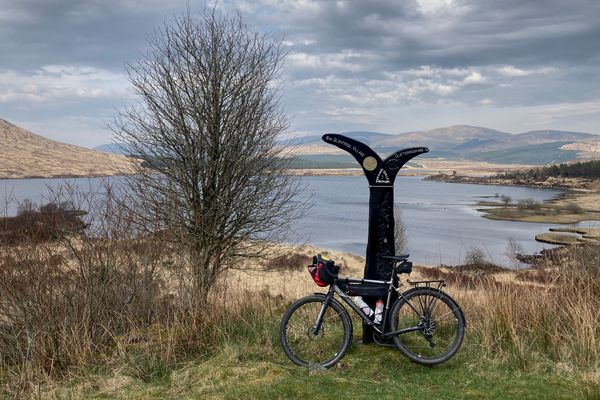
(369, 163)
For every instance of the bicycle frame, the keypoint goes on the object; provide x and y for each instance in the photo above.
(380, 328)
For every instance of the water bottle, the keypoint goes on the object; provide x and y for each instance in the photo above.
(378, 311)
(364, 307)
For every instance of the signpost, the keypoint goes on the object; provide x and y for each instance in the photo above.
(381, 175)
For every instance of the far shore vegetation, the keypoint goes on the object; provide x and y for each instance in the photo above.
(580, 202)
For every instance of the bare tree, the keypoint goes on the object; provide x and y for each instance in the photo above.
(206, 129)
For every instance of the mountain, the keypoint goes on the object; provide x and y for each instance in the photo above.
(24, 154)
(473, 143)
(112, 148)
(554, 136)
(362, 136)
(458, 142)
(454, 138)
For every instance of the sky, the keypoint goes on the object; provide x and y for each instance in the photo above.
(380, 65)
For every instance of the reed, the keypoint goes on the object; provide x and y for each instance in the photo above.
(551, 314)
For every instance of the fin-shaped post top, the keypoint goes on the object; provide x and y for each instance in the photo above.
(378, 172)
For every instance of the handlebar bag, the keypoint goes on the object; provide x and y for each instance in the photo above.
(323, 271)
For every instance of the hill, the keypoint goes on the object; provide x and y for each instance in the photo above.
(464, 142)
(458, 142)
(112, 149)
(24, 155)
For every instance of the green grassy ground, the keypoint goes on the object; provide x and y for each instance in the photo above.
(256, 368)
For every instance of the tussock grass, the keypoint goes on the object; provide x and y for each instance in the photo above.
(546, 314)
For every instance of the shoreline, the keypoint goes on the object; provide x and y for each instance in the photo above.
(572, 184)
(579, 201)
(68, 176)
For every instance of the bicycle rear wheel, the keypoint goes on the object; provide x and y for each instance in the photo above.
(440, 321)
(308, 348)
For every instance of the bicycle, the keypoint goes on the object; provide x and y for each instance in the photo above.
(425, 323)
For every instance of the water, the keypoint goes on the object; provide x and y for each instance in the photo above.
(441, 219)
(38, 191)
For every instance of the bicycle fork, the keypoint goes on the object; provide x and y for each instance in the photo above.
(319, 322)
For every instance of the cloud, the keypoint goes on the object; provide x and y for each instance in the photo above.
(379, 64)
(51, 82)
(345, 60)
(546, 115)
(512, 71)
(74, 32)
(439, 32)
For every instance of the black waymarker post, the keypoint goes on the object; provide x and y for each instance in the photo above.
(381, 176)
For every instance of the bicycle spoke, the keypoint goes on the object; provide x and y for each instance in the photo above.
(306, 346)
(439, 331)
(413, 308)
(451, 311)
(432, 302)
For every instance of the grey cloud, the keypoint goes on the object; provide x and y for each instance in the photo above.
(94, 32)
(353, 64)
(470, 33)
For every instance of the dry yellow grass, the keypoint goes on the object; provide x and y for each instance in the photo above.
(24, 154)
(291, 283)
(587, 201)
(570, 235)
(285, 282)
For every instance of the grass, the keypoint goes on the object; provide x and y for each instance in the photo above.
(26, 155)
(560, 211)
(557, 238)
(529, 334)
(257, 368)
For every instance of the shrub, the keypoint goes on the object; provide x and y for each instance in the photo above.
(109, 294)
(573, 208)
(475, 256)
(288, 262)
(49, 222)
(528, 204)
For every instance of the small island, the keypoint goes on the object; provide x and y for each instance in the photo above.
(579, 202)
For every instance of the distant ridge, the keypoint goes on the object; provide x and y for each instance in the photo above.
(112, 149)
(24, 154)
(475, 143)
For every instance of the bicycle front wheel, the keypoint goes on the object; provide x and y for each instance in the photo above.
(439, 321)
(309, 348)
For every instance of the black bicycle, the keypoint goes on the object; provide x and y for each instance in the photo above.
(424, 323)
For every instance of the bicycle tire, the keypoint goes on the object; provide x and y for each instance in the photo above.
(416, 307)
(307, 349)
